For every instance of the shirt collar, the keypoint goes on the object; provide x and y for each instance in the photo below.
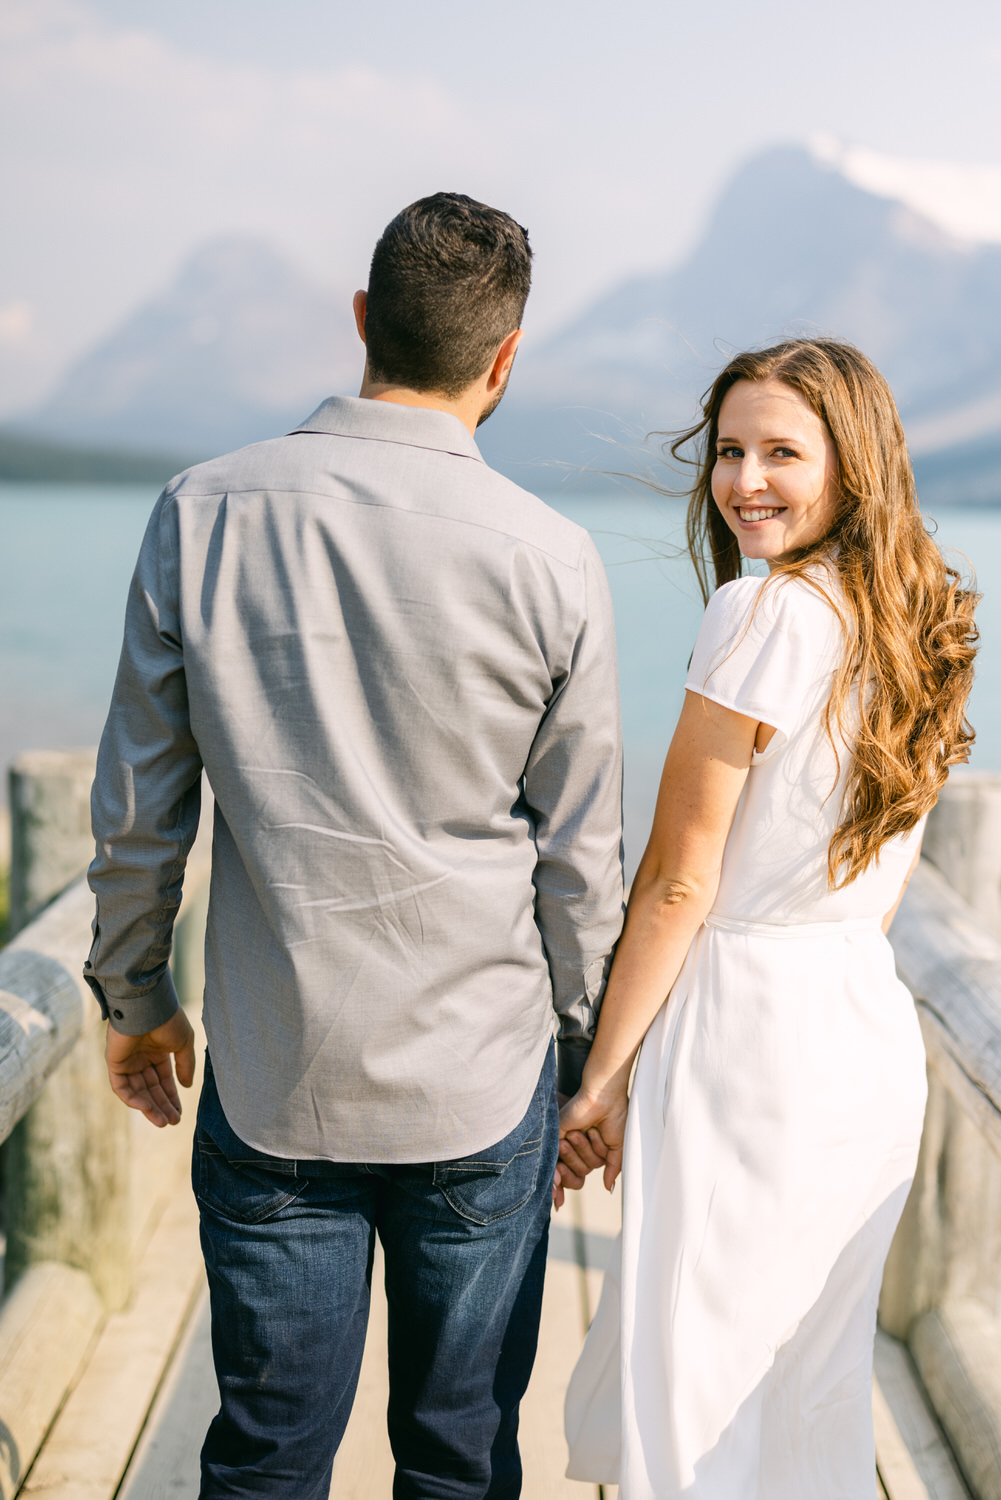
(389, 422)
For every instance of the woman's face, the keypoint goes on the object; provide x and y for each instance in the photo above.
(775, 479)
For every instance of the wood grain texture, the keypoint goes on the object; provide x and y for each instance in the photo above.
(51, 841)
(913, 1459)
(88, 1449)
(952, 966)
(47, 1327)
(43, 1000)
(963, 840)
(957, 1349)
(165, 1464)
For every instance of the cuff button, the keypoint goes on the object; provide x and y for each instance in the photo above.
(118, 1015)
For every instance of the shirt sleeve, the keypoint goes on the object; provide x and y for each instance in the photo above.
(573, 789)
(146, 798)
(763, 649)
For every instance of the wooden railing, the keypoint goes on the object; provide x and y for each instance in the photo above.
(942, 1286)
(85, 1179)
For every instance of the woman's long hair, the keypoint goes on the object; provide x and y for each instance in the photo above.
(910, 638)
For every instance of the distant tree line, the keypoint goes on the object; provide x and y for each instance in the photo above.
(33, 459)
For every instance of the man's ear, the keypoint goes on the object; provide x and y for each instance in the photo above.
(503, 360)
(360, 303)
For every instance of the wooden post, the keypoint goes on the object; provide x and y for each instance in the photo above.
(963, 841)
(89, 1178)
(942, 1285)
(948, 1244)
(51, 842)
(67, 1160)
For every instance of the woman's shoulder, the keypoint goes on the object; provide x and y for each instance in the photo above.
(804, 603)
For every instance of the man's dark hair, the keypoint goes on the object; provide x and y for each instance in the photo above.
(449, 282)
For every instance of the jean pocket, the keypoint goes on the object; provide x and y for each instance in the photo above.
(495, 1183)
(244, 1191)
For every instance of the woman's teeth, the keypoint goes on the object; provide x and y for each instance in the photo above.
(758, 515)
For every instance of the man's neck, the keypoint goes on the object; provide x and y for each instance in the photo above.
(468, 407)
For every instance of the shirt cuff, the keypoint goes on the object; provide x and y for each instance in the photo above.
(571, 1055)
(139, 1013)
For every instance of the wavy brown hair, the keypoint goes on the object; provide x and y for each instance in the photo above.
(910, 638)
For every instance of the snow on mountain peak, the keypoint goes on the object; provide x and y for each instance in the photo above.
(961, 198)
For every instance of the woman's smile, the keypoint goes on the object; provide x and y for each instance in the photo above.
(750, 516)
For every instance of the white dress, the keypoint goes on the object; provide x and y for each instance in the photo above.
(773, 1130)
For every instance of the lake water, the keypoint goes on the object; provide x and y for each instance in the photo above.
(67, 554)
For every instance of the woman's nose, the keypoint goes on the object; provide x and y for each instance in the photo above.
(750, 478)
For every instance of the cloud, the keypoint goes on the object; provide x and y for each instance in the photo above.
(124, 151)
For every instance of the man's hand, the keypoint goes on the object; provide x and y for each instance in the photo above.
(592, 1130)
(141, 1072)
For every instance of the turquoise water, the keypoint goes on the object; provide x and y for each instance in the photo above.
(67, 554)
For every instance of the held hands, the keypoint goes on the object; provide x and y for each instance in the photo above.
(592, 1130)
(140, 1068)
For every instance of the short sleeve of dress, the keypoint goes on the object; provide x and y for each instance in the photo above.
(767, 650)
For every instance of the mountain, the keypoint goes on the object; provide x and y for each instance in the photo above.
(792, 246)
(240, 347)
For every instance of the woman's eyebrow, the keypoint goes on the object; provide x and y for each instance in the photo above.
(790, 441)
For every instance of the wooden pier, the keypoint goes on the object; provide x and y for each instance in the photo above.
(106, 1382)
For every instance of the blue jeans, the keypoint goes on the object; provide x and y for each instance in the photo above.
(288, 1247)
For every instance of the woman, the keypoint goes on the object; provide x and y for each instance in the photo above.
(777, 1105)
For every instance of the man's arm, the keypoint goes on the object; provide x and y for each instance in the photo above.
(144, 808)
(573, 786)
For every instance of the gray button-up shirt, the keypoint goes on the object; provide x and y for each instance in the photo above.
(398, 670)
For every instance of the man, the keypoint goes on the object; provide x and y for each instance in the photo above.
(398, 671)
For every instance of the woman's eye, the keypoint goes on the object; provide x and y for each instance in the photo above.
(729, 452)
(786, 453)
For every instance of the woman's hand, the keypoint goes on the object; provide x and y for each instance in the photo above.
(592, 1130)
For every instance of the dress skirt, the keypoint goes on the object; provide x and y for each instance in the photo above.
(773, 1132)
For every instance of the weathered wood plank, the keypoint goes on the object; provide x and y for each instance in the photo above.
(165, 1465)
(942, 1055)
(47, 1327)
(957, 1349)
(963, 840)
(88, 1449)
(42, 1000)
(913, 1459)
(952, 966)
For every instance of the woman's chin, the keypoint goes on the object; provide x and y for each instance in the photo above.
(757, 548)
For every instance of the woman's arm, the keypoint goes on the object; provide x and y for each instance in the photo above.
(674, 889)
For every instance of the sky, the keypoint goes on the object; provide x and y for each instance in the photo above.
(131, 131)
